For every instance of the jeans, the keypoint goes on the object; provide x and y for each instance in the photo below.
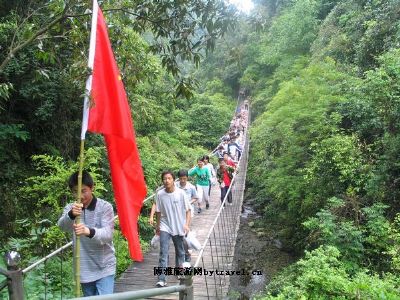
(102, 286)
(224, 190)
(188, 257)
(164, 248)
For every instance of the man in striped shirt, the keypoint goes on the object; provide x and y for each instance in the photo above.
(97, 254)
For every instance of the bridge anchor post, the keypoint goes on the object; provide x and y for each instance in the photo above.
(187, 294)
(14, 276)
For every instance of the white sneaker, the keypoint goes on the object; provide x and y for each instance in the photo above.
(161, 284)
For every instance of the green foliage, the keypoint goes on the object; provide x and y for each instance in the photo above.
(53, 279)
(45, 195)
(216, 86)
(13, 131)
(42, 77)
(363, 236)
(11, 137)
(394, 249)
(382, 90)
(336, 168)
(322, 275)
(196, 25)
(292, 32)
(155, 150)
(4, 292)
(5, 89)
(372, 113)
(324, 78)
(228, 61)
(122, 253)
(377, 237)
(330, 229)
(357, 32)
(50, 186)
(208, 118)
(282, 138)
(121, 245)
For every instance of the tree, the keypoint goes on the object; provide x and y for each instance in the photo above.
(181, 30)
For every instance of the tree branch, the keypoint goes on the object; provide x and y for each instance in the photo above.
(14, 50)
(127, 11)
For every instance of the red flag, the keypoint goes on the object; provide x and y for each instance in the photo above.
(109, 114)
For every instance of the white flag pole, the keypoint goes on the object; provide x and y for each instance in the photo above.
(85, 120)
(92, 50)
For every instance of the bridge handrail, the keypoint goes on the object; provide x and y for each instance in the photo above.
(212, 227)
(221, 208)
(139, 294)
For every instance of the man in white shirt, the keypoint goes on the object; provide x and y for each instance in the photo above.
(173, 219)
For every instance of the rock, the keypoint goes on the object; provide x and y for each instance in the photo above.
(277, 243)
(260, 233)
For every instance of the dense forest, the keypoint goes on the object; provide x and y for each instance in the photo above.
(324, 81)
(179, 111)
(324, 157)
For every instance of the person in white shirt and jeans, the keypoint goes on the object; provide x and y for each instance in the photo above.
(173, 219)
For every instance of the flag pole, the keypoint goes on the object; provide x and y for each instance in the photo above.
(85, 121)
(77, 256)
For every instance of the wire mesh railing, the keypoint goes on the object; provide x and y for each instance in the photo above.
(215, 260)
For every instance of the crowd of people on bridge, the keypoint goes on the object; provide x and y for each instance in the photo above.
(176, 203)
(174, 212)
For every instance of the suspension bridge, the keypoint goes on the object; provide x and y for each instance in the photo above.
(216, 229)
(211, 267)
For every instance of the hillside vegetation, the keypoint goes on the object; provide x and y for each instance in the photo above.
(324, 164)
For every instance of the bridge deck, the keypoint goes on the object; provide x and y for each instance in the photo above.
(141, 276)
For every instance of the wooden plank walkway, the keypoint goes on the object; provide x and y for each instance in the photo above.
(141, 276)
